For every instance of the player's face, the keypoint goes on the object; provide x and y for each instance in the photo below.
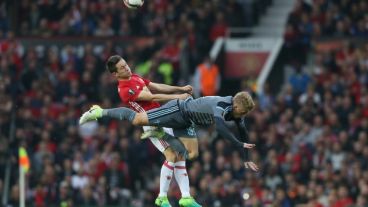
(238, 111)
(123, 70)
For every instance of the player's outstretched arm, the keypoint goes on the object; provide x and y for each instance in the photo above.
(167, 89)
(225, 132)
(148, 96)
(243, 132)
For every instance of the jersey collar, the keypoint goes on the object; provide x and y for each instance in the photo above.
(124, 82)
(228, 113)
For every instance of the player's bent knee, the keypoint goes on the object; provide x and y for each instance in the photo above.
(192, 147)
(181, 158)
(140, 119)
(193, 154)
(170, 155)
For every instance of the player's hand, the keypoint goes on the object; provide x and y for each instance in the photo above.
(248, 146)
(187, 89)
(251, 165)
(184, 96)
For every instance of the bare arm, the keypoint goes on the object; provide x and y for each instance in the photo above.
(145, 95)
(167, 89)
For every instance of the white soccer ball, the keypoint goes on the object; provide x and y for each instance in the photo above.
(133, 4)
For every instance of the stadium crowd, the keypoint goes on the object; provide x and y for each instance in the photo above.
(327, 18)
(324, 19)
(312, 144)
(198, 23)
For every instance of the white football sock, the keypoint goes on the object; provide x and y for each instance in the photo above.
(165, 177)
(182, 179)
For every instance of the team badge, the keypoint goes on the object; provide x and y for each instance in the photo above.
(131, 92)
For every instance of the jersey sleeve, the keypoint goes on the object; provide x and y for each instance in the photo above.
(146, 81)
(225, 132)
(218, 112)
(128, 94)
(221, 105)
(243, 133)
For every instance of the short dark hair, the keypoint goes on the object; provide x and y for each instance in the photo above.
(111, 63)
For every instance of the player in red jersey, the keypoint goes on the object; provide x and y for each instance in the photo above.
(135, 91)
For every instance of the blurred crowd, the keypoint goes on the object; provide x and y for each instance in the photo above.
(327, 18)
(199, 22)
(324, 19)
(314, 133)
(312, 144)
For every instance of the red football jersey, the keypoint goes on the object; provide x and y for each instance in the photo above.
(129, 91)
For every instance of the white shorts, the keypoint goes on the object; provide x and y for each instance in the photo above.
(160, 144)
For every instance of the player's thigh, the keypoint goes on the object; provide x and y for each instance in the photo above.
(170, 155)
(167, 115)
(191, 145)
(188, 137)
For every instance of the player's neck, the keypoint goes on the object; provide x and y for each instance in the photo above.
(125, 79)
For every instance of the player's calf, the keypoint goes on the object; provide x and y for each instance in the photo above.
(170, 155)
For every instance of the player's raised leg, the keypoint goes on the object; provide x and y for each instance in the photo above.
(122, 113)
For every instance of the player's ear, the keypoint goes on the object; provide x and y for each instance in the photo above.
(235, 106)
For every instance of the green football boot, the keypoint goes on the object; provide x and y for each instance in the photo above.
(158, 133)
(94, 113)
(188, 202)
(162, 201)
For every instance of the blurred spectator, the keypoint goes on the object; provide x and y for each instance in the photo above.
(207, 78)
(299, 81)
(219, 28)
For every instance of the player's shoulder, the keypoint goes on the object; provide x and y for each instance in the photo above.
(139, 79)
(132, 81)
(223, 102)
(135, 75)
(224, 99)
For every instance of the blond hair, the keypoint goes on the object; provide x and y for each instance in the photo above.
(245, 100)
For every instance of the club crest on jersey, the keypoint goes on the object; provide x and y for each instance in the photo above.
(131, 92)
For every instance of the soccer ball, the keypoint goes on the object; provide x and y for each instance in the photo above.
(133, 4)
